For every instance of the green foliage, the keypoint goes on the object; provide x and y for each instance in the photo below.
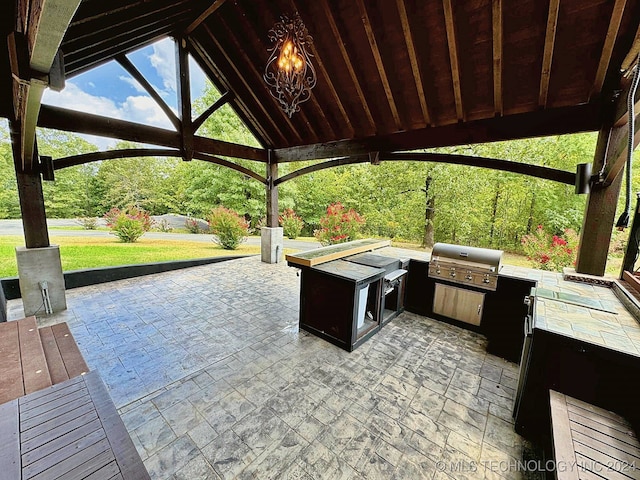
(88, 223)
(551, 252)
(192, 225)
(339, 225)
(128, 225)
(228, 228)
(291, 223)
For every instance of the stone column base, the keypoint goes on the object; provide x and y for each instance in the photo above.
(38, 267)
(271, 244)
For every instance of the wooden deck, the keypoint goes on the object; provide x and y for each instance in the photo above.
(34, 358)
(67, 431)
(591, 443)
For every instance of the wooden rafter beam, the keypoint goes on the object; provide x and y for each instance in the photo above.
(547, 58)
(453, 57)
(607, 48)
(223, 100)
(234, 67)
(347, 61)
(84, 158)
(222, 83)
(327, 78)
(632, 56)
(32, 55)
(413, 59)
(79, 122)
(496, 11)
(184, 98)
(144, 83)
(203, 16)
(373, 44)
(536, 171)
(257, 78)
(555, 121)
(616, 160)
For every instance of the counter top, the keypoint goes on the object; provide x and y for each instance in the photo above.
(609, 324)
(350, 271)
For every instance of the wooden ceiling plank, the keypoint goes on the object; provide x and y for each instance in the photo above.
(379, 63)
(538, 123)
(258, 76)
(609, 42)
(496, 9)
(152, 17)
(144, 83)
(632, 56)
(203, 16)
(332, 89)
(413, 59)
(94, 44)
(334, 93)
(244, 82)
(345, 57)
(453, 57)
(100, 14)
(549, 42)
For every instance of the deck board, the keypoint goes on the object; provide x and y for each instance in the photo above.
(70, 431)
(52, 353)
(10, 435)
(73, 359)
(35, 372)
(11, 384)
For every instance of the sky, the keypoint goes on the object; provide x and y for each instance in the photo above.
(109, 90)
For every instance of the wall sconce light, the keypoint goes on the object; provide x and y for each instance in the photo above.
(289, 72)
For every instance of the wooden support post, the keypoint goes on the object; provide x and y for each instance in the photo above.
(272, 192)
(184, 98)
(600, 212)
(34, 218)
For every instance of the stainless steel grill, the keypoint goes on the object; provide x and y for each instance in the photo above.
(477, 267)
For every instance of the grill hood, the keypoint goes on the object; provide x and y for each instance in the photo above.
(479, 258)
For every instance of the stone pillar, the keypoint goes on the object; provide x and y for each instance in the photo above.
(272, 238)
(38, 267)
(272, 244)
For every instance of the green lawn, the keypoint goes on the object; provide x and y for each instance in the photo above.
(78, 253)
(82, 252)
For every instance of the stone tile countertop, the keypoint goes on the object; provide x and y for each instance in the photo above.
(607, 321)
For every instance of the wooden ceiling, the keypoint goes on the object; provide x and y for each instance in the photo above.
(392, 74)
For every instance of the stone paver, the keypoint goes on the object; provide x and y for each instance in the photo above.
(214, 380)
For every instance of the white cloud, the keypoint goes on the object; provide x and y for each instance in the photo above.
(139, 109)
(133, 82)
(163, 59)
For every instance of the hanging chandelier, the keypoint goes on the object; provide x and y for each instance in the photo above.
(289, 72)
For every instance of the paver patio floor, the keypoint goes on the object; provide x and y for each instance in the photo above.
(213, 380)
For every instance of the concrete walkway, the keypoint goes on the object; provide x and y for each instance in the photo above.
(214, 380)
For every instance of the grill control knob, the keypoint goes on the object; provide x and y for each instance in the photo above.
(438, 271)
(469, 277)
(486, 279)
(453, 274)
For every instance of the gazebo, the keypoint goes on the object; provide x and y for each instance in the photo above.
(382, 80)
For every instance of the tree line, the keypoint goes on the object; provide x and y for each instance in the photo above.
(419, 202)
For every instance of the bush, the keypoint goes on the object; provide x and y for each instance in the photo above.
(291, 223)
(88, 223)
(128, 225)
(551, 252)
(192, 225)
(228, 228)
(339, 225)
(163, 226)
